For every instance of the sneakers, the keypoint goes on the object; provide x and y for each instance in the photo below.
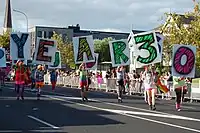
(152, 107)
(22, 97)
(85, 99)
(18, 97)
(178, 107)
(119, 100)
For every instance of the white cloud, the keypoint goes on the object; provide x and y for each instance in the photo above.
(95, 14)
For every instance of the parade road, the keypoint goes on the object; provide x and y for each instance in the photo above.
(62, 111)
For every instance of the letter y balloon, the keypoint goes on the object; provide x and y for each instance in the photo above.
(20, 45)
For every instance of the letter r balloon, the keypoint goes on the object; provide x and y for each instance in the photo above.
(120, 53)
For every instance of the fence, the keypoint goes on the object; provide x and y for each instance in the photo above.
(109, 85)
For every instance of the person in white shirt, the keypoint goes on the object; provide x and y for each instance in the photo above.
(150, 87)
(120, 82)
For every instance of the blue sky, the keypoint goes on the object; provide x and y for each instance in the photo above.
(107, 15)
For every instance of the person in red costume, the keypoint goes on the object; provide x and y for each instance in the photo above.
(20, 77)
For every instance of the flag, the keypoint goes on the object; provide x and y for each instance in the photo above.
(162, 87)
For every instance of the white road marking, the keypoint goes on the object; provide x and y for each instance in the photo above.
(7, 106)
(136, 113)
(155, 115)
(35, 109)
(185, 107)
(43, 122)
(119, 105)
(137, 117)
(57, 93)
(130, 107)
(10, 131)
(73, 98)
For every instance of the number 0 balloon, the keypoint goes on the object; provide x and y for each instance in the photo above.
(188, 65)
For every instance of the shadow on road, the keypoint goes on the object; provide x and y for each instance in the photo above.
(14, 114)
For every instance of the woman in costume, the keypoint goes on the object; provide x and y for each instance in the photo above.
(20, 78)
(120, 82)
(39, 78)
(83, 82)
(180, 87)
(150, 87)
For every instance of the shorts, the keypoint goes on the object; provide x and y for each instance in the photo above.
(39, 84)
(53, 82)
(149, 89)
(83, 84)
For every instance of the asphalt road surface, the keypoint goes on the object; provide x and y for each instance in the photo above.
(62, 111)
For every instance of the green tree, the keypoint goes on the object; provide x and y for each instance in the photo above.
(66, 50)
(102, 47)
(5, 40)
(176, 32)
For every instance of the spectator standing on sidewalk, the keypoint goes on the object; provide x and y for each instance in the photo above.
(127, 83)
(108, 75)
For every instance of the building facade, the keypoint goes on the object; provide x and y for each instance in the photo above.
(72, 31)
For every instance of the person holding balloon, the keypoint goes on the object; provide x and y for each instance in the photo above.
(180, 87)
(83, 81)
(39, 78)
(150, 87)
(20, 78)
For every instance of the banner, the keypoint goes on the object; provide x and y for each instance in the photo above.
(93, 65)
(2, 57)
(83, 49)
(160, 40)
(20, 46)
(147, 50)
(45, 51)
(119, 51)
(130, 39)
(183, 61)
(57, 61)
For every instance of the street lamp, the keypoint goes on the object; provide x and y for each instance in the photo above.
(24, 15)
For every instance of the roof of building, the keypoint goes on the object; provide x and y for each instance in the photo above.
(184, 19)
(53, 27)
